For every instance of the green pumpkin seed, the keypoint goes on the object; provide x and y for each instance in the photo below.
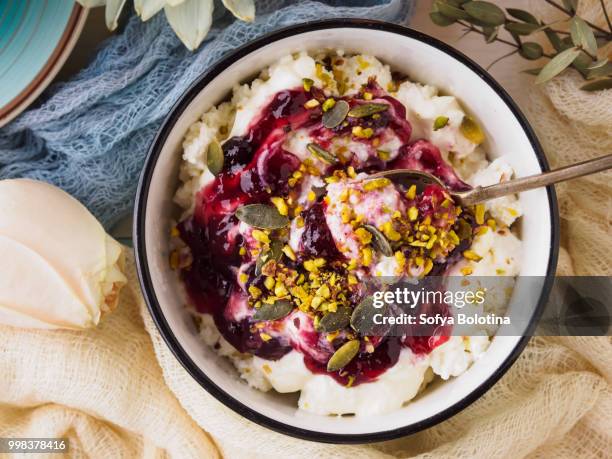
(362, 319)
(214, 157)
(380, 241)
(321, 153)
(363, 110)
(307, 83)
(333, 321)
(261, 216)
(275, 311)
(471, 130)
(343, 356)
(336, 115)
(275, 253)
(440, 122)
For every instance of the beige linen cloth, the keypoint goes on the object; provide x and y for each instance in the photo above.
(117, 391)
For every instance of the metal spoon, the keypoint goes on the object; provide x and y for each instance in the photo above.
(479, 194)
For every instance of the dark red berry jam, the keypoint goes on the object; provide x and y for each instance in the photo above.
(257, 167)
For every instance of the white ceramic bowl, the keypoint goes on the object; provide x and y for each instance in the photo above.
(423, 59)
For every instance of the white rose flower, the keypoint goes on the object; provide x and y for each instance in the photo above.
(58, 267)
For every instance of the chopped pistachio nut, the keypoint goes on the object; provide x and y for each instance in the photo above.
(307, 83)
(280, 205)
(260, 236)
(376, 184)
(413, 213)
(312, 103)
(287, 250)
(360, 132)
(471, 255)
(479, 214)
(329, 103)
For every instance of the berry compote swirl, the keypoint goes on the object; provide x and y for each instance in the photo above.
(319, 276)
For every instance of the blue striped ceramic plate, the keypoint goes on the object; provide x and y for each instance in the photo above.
(36, 37)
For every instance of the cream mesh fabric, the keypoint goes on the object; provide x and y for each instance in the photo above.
(104, 388)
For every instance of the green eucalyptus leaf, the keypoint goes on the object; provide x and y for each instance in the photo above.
(531, 50)
(490, 33)
(571, 5)
(451, 11)
(486, 12)
(478, 22)
(605, 70)
(521, 28)
(554, 40)
(567, 43)
(582, 35)
(440, 20)
(523, 15)
(535, 71)
(456, 3)
(598, 85)
(557, 64)
(581, 63)
(598, 64)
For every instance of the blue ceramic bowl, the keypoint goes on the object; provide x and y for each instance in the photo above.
(36, 37)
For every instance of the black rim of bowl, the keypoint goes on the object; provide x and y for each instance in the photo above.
(147, 284)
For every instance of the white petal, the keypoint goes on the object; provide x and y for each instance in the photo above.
(112, 13)
(174, 2)
(242, 9)
(146, 9)
(92, 3)
(34, 293)
(65, 271)
(191, 21)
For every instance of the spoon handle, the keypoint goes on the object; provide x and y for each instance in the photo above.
(536, 181)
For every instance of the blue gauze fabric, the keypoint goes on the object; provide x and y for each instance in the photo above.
(90, 135)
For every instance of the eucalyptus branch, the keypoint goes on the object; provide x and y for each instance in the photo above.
(471, 28)
(569, 13)
(500, 58)
(577, 47)
(603, 7)
(587, 53)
